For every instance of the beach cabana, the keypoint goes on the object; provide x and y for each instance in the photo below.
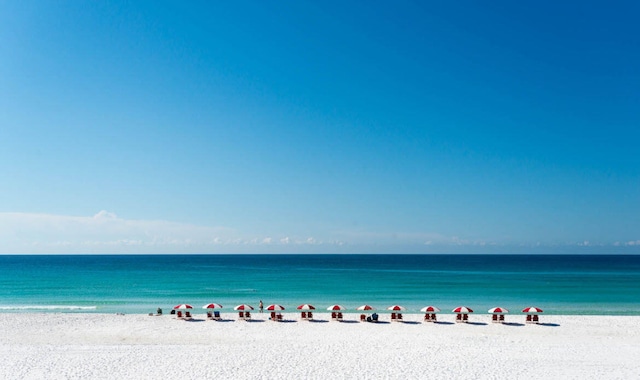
(305, 311)
(396, 317)
(462, 314)
(183, 308)
(211, 314)
(336, 312)
(532, 314)
(498, 314)
(430, 313)
(244, 312)
(274, 308)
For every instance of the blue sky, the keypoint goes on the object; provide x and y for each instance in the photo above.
(412, 127)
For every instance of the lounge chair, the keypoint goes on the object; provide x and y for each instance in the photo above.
(528, 318)
(399, 318)
(536, 319)
(247, 315)
(273, 316)
(179, 315)
(433, 318)
(501, 318)
(303, 315)
(494, 318)
(339, 316)
(334, 316)
(393, 317)
(363, 318)
(458, 318)
(465, 318)
(309, 315)
(187, 315)
(209, 315)
(427, 317)
(241, 315)
(279, 317)
(216, 315)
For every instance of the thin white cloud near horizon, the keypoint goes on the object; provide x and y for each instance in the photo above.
(105, 232)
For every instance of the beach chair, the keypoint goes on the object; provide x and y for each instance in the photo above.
(209, 315)
(494, 318)
(340, 317)
(187, 315)
(528, 318)
(427, 317)
(309, 315)
(241, 315)
(536, 319)
(179, 315)
(303, 315)
(273, 316)
(501, 318)
(399, 318)
(374, 317)
(433, 318)
(334, 316)
(465, 318)
(279, 317)
(458, 318)
(247, 316)
(393, 317)
(216, 315)
(363, 318)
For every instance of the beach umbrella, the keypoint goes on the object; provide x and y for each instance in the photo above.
(306, 306)
(462, 309)
(275, 307)
(531, 309)
(430, 309)
(365, 307)
(243, 307)
(335, 307)
(498, 310)
(183, 307)
(212, 306)
(396, 308)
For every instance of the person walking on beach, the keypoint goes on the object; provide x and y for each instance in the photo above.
(260, 306)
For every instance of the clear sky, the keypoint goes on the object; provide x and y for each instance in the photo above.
(324, 126)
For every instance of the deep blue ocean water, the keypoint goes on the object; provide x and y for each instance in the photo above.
(559, 284)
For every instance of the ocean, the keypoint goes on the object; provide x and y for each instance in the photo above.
(559, 284)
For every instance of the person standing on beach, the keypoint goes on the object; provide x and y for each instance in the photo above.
(260, 306)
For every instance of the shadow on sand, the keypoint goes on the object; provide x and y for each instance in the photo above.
(549, 324)
(513, 324)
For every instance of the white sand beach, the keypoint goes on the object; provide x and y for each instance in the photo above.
(99, 346)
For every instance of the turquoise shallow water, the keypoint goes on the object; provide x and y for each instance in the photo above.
(559, 284)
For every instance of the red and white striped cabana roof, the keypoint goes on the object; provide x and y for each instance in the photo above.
(243, 307)
(365, 307)
(430, 309)
(498, 310)
(531, 309)
(212, 306)
(335, 307)
(397, 308)
(306, 306)
(183, 306)
(275, 307)
(462, 310)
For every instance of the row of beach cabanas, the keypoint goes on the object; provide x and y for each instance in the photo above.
(183, 311)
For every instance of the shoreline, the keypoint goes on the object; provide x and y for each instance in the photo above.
(69, 345)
